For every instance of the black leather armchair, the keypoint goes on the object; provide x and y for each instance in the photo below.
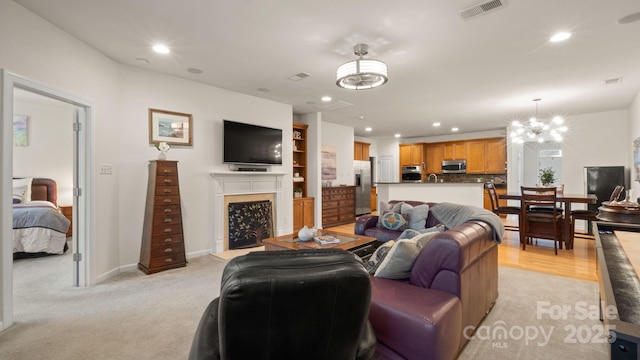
(303, 304)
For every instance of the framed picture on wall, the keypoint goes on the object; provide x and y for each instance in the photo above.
(172, 127)
(20, 130)
(636, 157)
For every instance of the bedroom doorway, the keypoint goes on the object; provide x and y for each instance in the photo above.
(80, 188)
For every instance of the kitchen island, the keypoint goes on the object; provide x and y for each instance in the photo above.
(467, 193)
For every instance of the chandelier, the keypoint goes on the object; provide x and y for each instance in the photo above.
(362, 73)
(538, 130)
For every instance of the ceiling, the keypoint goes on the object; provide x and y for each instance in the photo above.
(475, 74)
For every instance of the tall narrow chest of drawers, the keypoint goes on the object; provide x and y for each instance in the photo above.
(162, 245)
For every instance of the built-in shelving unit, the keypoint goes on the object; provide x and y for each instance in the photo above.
(302, 204)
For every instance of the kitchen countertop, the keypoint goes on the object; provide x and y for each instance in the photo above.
(497, 185)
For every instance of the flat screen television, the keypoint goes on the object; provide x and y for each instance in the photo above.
(251, 144)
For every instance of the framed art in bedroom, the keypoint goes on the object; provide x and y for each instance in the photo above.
(174, 128)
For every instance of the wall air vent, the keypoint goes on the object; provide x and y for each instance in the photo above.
(551, 153)
(481, 8)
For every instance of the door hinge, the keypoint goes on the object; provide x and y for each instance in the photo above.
(77, 126)
(77, 192)
(77, 257)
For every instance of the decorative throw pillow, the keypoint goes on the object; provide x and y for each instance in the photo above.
(22, 189)
(423, 239)
(378, 256)
(16, 201)
(388, 208)
(395, 221)
(408, 234)
(417, 215)
(399, 261)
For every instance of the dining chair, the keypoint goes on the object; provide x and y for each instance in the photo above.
(591, 215)
(502, 210)
(559, 190)
(540, 224)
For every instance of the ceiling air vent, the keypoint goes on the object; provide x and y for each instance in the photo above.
(298, 77)
(613, 81)
(335, 105)
(481, 8)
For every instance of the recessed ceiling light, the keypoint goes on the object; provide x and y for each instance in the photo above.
(326, 98)
(368, 128)
(561, 36)
(436, 124)
(161, 49)
(397, 135)
(454, 129)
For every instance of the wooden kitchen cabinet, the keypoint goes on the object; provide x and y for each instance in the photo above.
(302, 213)
(361, 150)
(476, 152)
(412, 154)
(455, 150)
(496, 156)
(434, 156)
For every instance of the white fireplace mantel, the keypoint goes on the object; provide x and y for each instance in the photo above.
(241, 183)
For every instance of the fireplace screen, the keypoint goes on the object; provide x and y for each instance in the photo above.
(249, 223)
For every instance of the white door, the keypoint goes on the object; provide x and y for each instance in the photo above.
(385, 168)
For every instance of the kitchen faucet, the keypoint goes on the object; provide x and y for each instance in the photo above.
(434, 175)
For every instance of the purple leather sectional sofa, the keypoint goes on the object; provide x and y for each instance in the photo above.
(452, 286)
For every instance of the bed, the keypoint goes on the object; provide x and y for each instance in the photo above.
(39, 228)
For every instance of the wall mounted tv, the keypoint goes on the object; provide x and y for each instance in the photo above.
(251, 144)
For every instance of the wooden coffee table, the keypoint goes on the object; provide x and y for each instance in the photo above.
(363, 246)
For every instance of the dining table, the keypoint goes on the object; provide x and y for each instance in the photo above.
(566, 200)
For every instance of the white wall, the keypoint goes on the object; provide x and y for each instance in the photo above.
(141, 90)
(340, 137)
(121, 97)
(634, 127)
(49, 152)
(35, 49)
(596, 139)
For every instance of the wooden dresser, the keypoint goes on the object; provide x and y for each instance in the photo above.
(162, 237)
(338, 205)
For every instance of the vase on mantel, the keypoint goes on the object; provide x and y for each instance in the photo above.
(162, 155)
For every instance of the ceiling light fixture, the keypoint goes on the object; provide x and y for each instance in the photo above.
(561, 36)
(538, 130)
(161, 49)
(361, 74)
(455, 129)
(368, 128)
(397, 135)
(326, 98)
(436, 124)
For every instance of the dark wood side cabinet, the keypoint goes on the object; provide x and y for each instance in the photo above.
(338, 205)
(162, 236)
(67, 211)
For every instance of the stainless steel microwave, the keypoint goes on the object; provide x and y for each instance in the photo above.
(454, 166)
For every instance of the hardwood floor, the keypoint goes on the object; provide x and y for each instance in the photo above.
(579, 263)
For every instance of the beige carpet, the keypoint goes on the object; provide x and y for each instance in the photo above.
(137, 316)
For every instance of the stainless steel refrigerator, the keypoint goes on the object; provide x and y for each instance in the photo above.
(601, 180)
(362, 170)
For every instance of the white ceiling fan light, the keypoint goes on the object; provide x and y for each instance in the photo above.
(361, 74)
